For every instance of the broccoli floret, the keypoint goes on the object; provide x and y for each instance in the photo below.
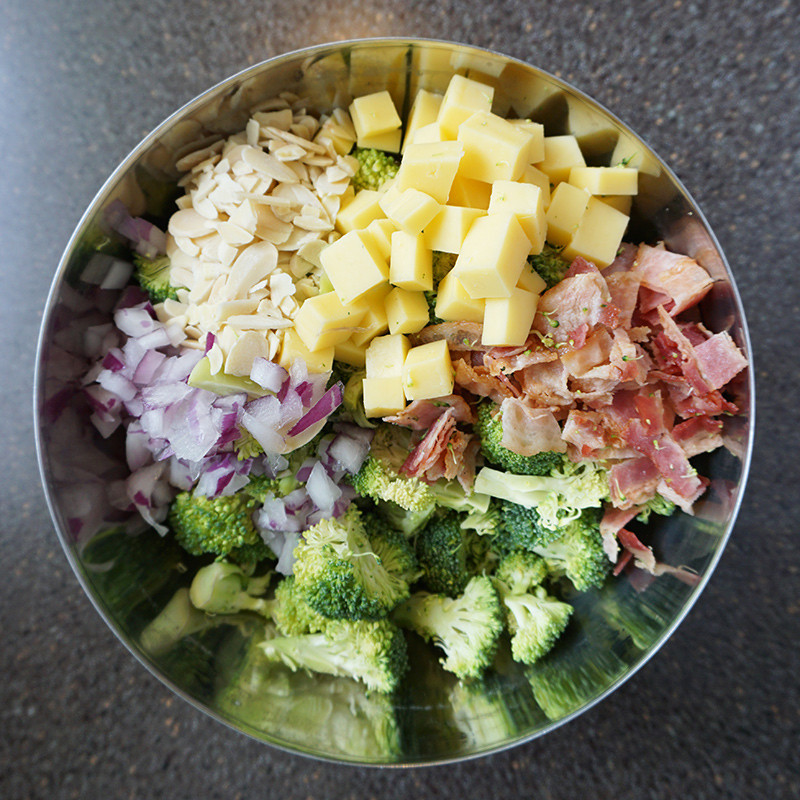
(442, 554)
(466, 627)
(521, 529)
(656, 505)
(224, 588)
(549, 265)
(558, 498)
(380, 478)
(452, 495)
(375, 167)
(578, 553)
(373, 652)
(153, 275)
(520, 571)
(339, 573)
(402, 520)
(489, 429)
(392, 548)
(221, 526)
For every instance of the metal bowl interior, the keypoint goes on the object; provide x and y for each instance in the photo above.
(432, 719)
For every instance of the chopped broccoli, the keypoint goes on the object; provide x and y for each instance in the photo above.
(484, 523)
(353, 400)
(375, 167)
(339, 573)
(223, 588)
(407, 522)
(451, 494)
(153, 275)
(290, 611)
(489, 429)
(466, 627)
(373, 652)
(656, 505)
(549, 265)
(393, 549)
(578, 553)
(442, 263)
(520, 571)
(558, 498)
(262, 487)
(442, 554)
(521, 528)
(380, 478)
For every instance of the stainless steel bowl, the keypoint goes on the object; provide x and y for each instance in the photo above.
(432, 720)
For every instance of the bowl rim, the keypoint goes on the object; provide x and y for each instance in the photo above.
(110, 183)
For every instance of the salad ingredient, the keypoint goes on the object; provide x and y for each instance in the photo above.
(442, 555)
(406, 311)
(224, 588)
(153, 275)
(507, 320)
(427, 371)
(354, 265)
(411, 265)
(375, 167)
(374, 115)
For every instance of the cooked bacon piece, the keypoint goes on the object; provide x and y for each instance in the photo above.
(459, 458)
(529, 431)
(698, 435)
(653, 413)
(641, 552)
(614, 520)
(624, 290)
(545, 385)
(719, 359)
(633, 482)
(585, 431)
(684, 355)
(479, 381)
(679, 277)
(507, 360)
(623, 263)
(667, 490)
(595, 351)
(709, 404)
(425, 455)
(421, 414)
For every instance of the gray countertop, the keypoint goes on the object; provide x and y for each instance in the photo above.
(714, 88)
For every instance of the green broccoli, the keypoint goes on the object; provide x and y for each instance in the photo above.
(558, 498)
(224, 588)
(466, 627)
(379, 476)
(549, 265)
(339, 573)
(406, 522)
(521, 528)
(442, 554)
(353, 400)
(485, 523)
(375, 167)
(179, 618)
(656, 505)
(489, 429)
(452, 495)
(393, 549)
(291, 612)
(520, 571)
(153, 275)
(373, 652)
(221, 525)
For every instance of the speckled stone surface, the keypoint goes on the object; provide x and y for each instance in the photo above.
(714, 88)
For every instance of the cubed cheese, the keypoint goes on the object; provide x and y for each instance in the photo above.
(427, 134)
(536, 130)
(507, 320)
(293, 349)
(383, 396)
(447, 230)
(461, 100)
(561, 154)
(531, 280)
(424, 111)
(406, 312)
(605, 180)
(354, 265)
(386, 355)
(381, 231)
(390, 142)
(494, 149)
(492, 257)
(411, 266)
(622, 202)
(411, 210)
(524, 201)
(348, 352)
(536, 177)
(357, 213)
(599, 234)
(323, 321)
(430, 168)
(428, 371)
(469, 193)
(453, 304)
(567, 205)
(374, 321)
(374, 114)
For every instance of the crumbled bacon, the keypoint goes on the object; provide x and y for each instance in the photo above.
(479, 381)
(421, 414)
(528, 430)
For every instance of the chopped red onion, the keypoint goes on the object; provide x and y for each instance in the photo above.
(322, 409)
(268, 375)
(322, 490)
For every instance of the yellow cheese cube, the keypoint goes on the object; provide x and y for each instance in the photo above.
(386, 355)
(390, 141)
(294, 349)
(430, 168)
(374, 114)
(323, 321)
(354, 265)
(530, 280)
(411, 265)
(605, 180)
(492, 256)
(561, 154)
(461, 100)
(383, 396)
(373, 323)
(428, 371)
(447, 230)
(536, 129)
(381, 231)
(424, 111)
(599, 234)
(427, 134)
(453, 304)
(356, 214)
(407, 312)
(507, 320)
(622, 202)
(536, 177)
(469, 193)
(410, 209)
(494, 149)
(524, 201)
(567, 205)
(348, 352)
